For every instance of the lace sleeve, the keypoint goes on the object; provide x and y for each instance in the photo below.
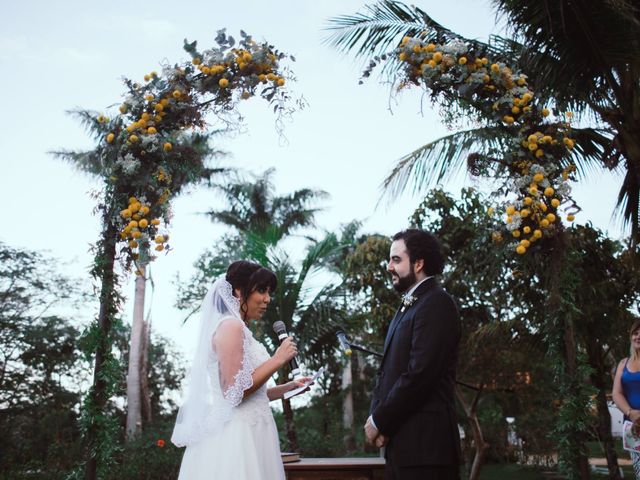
(230, 344)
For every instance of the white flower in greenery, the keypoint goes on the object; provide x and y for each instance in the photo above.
(455, 47)
(535, 168)
(564, 189)
(129, 164)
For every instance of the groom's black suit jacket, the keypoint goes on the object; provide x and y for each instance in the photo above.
(413, 401)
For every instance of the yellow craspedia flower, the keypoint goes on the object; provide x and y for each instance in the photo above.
(176, 94)
(527, 97)
(110, 137)
(571, 217)
(416, 49)
(462, 60)
(152, 131)
(130, 128)
(437, 56)
(490, 211)
(508, 119)
(532, 147)
(431, 47)
(136, 217)
(525, 243)
(402, 57)
(271, 77)
(148, 97)
(280, 82)
(133, 138)
(542, 206)
(432, 63)
(247, 57)
(132, 224)
(548, 192)
(155, 221)
(532, 138)
(196, 61)
(496, 237)
(136, 234)
(159, 248)
(555, 203)
(126, 213)
(159, 239)
(545, 112)
(538, 177)
(405, 40)
(544, 223)
(527, 229)
(533, 190)
(495, 68)
(206, 70)
(223, 82)
(515, 110)
(159, 107)
(551, 217)
(262, 77)
(537, 233)
(144, 210)
(528, 201)
(143, 223)
(167, 147)
(525, 212)
(521, 249)
(516, 233)
(133, 244)
(123, 108)
(509, 219)
(147, 78)
(511, 210)
(539, 153)
(546, 139)
(135, 206)
(486, 78)
(569, 143)
(522, 81)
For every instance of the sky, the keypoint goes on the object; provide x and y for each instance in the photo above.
(56, 56)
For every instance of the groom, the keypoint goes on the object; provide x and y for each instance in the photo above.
(412, 409)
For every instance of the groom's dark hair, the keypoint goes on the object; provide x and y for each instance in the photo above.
(423, 245)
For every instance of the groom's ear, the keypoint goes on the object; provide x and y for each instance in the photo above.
(418, 265)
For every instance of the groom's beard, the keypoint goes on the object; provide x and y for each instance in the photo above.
(404, 283)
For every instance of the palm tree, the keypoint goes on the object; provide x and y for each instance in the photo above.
(581, 54)
(90, 162)
(254, 208)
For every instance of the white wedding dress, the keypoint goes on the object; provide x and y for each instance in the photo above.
(228, 437)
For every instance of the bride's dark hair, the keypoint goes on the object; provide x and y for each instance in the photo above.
(249, 277)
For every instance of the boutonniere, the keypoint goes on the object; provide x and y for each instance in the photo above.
(407, 301)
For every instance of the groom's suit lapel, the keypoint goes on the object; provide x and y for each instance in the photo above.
(422, 288)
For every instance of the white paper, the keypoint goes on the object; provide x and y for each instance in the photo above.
(296, 391)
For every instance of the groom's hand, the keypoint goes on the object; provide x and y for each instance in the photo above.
(371, 433)
(381, 441)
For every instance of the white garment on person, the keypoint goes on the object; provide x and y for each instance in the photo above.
(247, 446)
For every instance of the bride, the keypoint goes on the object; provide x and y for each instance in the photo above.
(225, 421)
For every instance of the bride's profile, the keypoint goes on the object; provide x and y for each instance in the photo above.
(225, 420)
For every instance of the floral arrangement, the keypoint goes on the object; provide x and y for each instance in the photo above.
(152, 147)
(537, 162)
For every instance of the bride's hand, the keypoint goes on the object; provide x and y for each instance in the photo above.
(286, 351)
(299, 382)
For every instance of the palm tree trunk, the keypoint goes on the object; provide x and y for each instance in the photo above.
(471, 410)
(105, 260)
(598, 379)
(292, 436)
(347, 407)
(144, 374)
(134, 404)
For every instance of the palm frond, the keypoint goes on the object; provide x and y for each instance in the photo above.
(440, 159)
(628, 204)
(90, 161)
(381, 26)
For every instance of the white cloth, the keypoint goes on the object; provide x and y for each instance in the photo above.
(247, 447)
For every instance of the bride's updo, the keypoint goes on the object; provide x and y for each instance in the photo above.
(249, 277)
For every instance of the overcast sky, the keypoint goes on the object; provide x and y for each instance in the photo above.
(55, 56)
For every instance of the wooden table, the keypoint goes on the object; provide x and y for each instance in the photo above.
(361, 468)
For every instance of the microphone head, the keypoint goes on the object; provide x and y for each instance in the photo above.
(279, 327)
(344, 343)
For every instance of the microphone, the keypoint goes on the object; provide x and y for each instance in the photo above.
(281, 331)
(344, 343)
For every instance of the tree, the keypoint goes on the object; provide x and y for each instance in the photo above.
(581, 56)
(40, 371)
